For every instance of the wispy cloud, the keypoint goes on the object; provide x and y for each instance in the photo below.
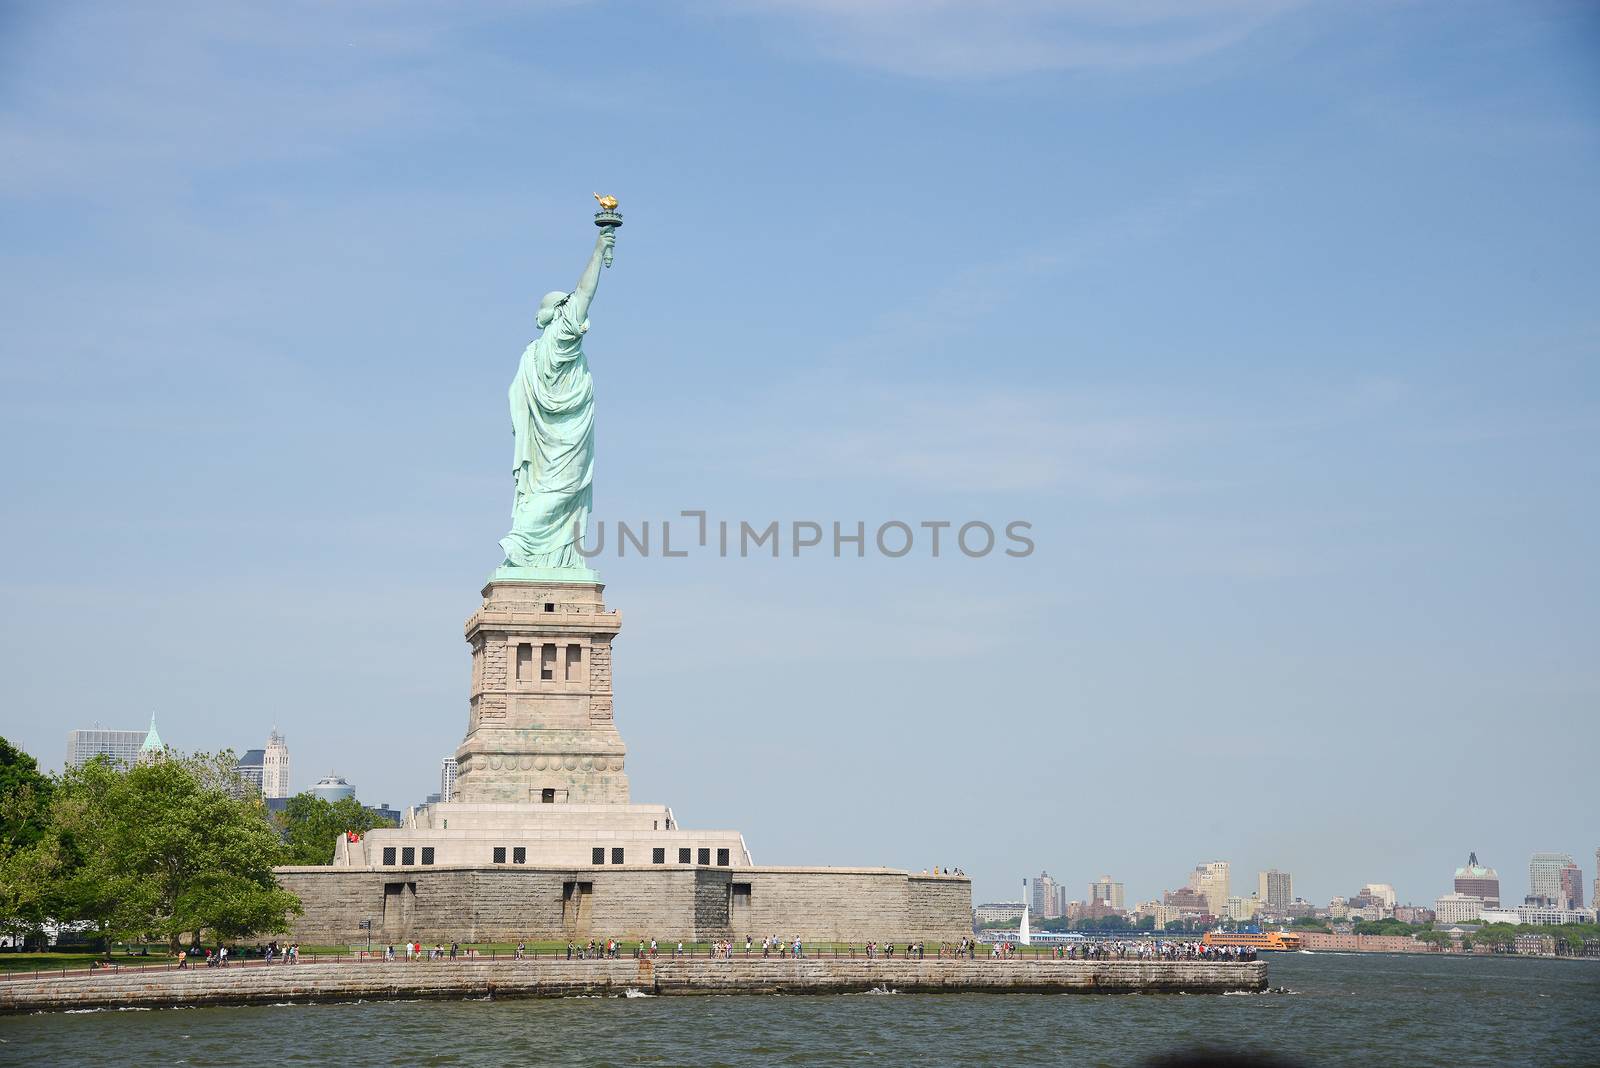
(999, 440)
(989, 286)
(1110, 444)
(989, 38)
(161, 98)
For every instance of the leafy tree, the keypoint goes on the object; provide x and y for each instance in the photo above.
(311, 825)
(1495, 934)
(166, 849)
(26, 821)
(1574, 934)
(1311, 922)
(1384, 927)
(1146, 923)
(29, 853)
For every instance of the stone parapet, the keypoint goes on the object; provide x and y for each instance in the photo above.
(452, 979)
(512, 903)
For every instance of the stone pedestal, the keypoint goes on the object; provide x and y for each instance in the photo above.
(540, 727)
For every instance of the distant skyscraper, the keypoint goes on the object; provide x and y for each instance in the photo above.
(84, 745)
(1456, 907)
(1103, 889)
(1186, 899)
(447, 779)
(1042, 897)
(1571, 887)
(1274, 887)
(1380, 894)
(275, 767)
(1474, 880)
(152, 748)
(1210, 880)
(1546, 882)
(1042, 900)
(249, 770)
(1596, 897)
(1242, 909)
(390, 816)
(333, 788)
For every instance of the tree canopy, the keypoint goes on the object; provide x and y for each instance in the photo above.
(163, 848)
(311, 825)
(1387, 927)
(28, 852)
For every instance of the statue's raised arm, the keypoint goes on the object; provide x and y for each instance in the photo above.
(589, 280)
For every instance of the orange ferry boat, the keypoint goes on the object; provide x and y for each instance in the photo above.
(1283, 940)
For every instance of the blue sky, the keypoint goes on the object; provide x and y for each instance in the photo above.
(1277, 321)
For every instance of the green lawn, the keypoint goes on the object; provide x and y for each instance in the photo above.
(47, 962)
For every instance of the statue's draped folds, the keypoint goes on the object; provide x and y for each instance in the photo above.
(552, 416)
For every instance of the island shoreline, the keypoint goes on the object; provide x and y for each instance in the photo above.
(509, 979)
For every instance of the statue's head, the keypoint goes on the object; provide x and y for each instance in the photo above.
(548, 306)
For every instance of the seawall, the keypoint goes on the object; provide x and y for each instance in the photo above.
(516, 903)
(372, 980)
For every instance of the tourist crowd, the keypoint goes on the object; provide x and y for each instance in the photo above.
(1131, 949)
(794, 948)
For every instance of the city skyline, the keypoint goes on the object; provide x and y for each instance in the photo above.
(1279, 334)
(1555, 861)
(1242, 884)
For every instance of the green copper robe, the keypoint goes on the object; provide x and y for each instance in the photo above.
(552, 418)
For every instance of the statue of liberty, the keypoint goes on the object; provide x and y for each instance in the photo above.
(552, 418)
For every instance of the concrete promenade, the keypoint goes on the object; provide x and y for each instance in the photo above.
(377, 979)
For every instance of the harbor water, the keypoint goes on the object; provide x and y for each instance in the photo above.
(1325, 1009)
